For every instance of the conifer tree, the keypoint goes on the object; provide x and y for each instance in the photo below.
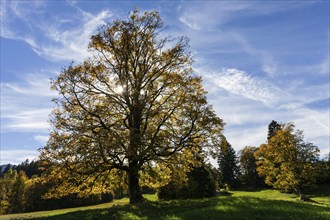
(228, 166)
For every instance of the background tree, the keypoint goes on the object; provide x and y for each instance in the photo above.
(228, 167)
(30, 168)
(18, 193)
(272, 128)
(132, 106)
(287, 162)
(323, 170)
(5, 168)
(200, 184)
(13, 190)
(18, 200)
(248, 168)
(6, 191)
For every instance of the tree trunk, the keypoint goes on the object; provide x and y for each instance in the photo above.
(302, 196)
(135, 195)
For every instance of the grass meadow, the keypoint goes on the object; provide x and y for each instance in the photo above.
(260, 204)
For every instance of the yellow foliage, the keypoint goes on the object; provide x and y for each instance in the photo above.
(287, 161)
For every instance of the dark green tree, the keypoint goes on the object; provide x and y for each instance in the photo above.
(5, 168)
(200, 184)
(323, 170)
(248, 168)
(228, 165)
(30, 168)
(272, 128)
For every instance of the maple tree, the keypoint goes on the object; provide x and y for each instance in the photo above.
(287, 162)
(135, 107)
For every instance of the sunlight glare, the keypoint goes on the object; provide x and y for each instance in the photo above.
(119, 89)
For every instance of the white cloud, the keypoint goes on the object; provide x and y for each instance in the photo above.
(49, 37)
(32, 85)
(315, 124)
(306, 94)
(27, 120)
(20, 12)
(247, 120)
(17, 156)
(71, 44)
(202, 18)
(248, 104)
(323, 67)
(220, 12)
(294, 94)
(41, 139)
(240, 83)
(254, 136)
(319, 119)
(25, 106)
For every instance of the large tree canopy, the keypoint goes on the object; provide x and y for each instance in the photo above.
(134, 106)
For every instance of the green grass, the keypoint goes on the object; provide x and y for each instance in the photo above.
(263, 204)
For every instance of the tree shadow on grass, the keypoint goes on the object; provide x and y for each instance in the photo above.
(223, 193)
(252, 189)
(321, 191)
(212, 208)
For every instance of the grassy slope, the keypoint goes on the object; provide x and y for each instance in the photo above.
(264, 204)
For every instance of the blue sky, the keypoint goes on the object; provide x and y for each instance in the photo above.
(260, 61)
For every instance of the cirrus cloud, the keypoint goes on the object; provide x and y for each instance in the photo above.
(52, 38)
(241, 83)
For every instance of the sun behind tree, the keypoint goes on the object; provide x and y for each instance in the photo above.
(135, 106)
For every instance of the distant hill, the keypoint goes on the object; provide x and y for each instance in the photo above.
(3, 168)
